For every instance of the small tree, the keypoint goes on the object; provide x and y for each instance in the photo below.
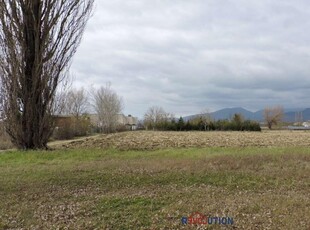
(108, 105)
(76, 103)
(206, 119)
(273, 115)
(238, 120)
(181, 124)
(155, 117)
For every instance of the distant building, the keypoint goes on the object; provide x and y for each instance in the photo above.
(129, 121)
(300, 126)
(306, 124)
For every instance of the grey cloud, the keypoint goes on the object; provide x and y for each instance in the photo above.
(189, 55)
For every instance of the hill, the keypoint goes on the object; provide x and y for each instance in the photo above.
(227, 113)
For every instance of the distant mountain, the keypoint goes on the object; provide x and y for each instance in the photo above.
(258, 116)
(293, 116)
(227, 113)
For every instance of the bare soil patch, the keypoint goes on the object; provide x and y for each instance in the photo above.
(149, 140)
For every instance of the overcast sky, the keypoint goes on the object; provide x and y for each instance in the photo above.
(188, 55)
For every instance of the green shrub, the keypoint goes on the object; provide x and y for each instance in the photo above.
(70, 127)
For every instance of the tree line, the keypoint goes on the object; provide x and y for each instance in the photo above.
(157, 119)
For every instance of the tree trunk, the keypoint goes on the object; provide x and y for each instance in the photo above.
(33, 117)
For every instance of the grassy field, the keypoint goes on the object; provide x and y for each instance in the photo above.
(260, 188)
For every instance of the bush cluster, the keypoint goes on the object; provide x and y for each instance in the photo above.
(71, 127)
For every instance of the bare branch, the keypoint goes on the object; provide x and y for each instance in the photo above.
(76, 102)
(273, 115)
(206, 118)
(108, 105)
(155, 116)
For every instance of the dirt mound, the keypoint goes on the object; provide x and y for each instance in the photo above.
(148, 140)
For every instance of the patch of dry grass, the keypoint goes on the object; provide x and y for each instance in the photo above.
(261, 188)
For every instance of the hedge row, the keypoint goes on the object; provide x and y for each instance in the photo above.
(220, 125)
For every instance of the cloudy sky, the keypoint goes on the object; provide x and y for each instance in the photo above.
(188, 55)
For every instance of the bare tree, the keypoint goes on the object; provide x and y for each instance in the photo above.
(273, 115)
(37, 41)
(108, 105)
(59, 105)
(155, 116)
(76, 103)
(206, 119)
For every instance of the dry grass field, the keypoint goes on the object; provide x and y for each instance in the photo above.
(150, 180)
(148, 140)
